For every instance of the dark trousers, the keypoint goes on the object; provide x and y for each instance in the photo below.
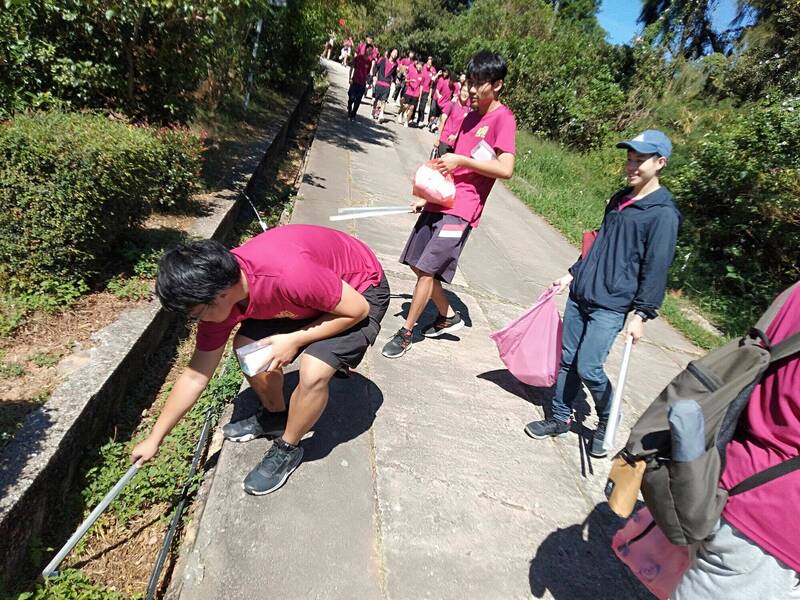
(354, 96)
(588, 335)
(423, 104)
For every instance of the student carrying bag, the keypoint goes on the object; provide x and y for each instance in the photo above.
(684, 496)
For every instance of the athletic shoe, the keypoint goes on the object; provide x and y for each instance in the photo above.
(398, 345)
(444, 325)
(262, 424)
(599, 436)
(274, 469)
(551, 427)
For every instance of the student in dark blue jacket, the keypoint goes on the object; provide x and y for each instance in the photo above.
(624, 271)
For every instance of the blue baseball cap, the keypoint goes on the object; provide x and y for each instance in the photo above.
(651, 141)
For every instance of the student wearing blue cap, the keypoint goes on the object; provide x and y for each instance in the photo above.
(623, 272)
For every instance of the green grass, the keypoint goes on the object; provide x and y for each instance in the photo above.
(570, 190)
(69, 585)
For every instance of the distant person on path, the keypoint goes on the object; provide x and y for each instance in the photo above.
(402, 70)
(326, 54)
(484, 151)
(426, 78)
(358, 82)
(385, 72)
(314, 292)
(754, 551)
(442, 95)
(347, 51)
(450, 122)
(411, 95)
(624, 271)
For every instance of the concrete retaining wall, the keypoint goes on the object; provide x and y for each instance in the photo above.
(38, 467)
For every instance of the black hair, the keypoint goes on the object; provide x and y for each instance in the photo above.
(487, 66)
(195, 273)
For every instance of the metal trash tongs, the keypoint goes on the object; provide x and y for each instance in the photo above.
(616, 401)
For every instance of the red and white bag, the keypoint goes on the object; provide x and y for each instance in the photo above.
(433, 186)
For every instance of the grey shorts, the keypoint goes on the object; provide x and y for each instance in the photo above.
(728, 565)
(436, 244)
(343, 351)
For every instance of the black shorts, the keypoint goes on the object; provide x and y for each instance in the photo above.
(343, 351)
(356, 91)
(410, 100)
(380, 92)
(436, 110)
(435, 245)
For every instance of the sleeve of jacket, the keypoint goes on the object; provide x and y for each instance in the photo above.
(658, 255)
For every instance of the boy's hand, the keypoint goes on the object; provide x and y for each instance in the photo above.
(449, 162)
(417, 204)
(284, 349)
(635, 328)
(145, 450)
(451, 138)
(562, 283)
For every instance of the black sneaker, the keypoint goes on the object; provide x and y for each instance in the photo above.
(274, 469)
(398, 345)
(444, 325)
(551, 427)
(599, 436)
(262, 424)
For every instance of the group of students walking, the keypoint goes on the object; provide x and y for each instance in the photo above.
(421, 91)
(321, 295)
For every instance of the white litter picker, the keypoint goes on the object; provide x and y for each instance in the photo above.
(616, 401)
(363, 212)
(50, 569)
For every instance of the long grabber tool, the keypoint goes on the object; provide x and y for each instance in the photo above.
(261, 222)
(364, 212)
(616, 401)
(50, 569)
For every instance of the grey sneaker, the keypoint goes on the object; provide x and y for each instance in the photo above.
(444, 325)
(262, 424)
(398, 345)
(274, 469)
(599, 436)
(551, 427)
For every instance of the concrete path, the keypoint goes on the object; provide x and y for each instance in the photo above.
(418, 481)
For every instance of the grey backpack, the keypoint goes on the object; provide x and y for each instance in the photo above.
(684, 497)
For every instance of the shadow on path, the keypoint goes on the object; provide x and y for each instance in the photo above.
(351, 410)
(577, 562)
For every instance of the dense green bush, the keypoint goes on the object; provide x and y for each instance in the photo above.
(72, 186)
(739, 188)
(154, 60)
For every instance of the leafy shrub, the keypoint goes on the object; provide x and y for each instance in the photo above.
(70, 584)
(71, 187)
(739, 189)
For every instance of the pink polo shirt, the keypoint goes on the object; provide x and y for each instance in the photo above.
(444, 92)
(455, 112)
(498, 129)
(413, 81)
(295, 272)
(426, 77)
(769, 433)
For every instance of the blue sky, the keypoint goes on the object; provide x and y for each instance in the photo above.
(618, 18)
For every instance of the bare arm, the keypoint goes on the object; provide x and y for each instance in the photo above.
(501, 167)
(187, 389)
(352, 309)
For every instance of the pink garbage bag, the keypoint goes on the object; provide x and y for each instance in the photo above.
(431, 185)
(658, 563)
(530, 346)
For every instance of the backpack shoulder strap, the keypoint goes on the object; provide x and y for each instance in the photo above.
(785, 348)
(773, 309)
(765, 476)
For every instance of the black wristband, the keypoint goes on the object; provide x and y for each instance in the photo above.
(643, 316)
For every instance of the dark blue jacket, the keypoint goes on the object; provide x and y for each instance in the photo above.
(626, 268)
